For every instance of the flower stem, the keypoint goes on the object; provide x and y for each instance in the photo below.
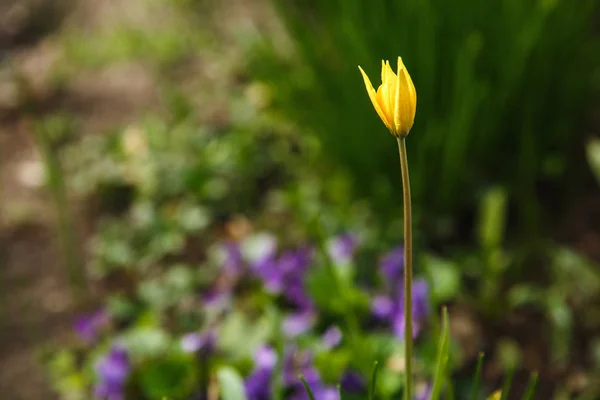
(408, 329)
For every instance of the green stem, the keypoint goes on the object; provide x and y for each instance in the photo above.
(56, 185)
(408, 329)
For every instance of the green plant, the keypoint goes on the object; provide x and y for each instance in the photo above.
(49, 133)
(502, 90)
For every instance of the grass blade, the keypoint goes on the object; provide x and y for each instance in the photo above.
(373, 381)
(311, 396)
(531, 386)
(507, 384)
(442, 357)
(477, 379)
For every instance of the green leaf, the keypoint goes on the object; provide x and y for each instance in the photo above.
(373, 387)
(147, 342)
(507, 384)
(231, 384)
(477, 379)
(444, 277)
(492, 218)
(593, 156)
(174, 377)
(310, 393)
(530, 390)
(442, 357)
(319, 284)
(256, 331)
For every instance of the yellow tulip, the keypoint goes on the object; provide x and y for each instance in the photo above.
(395, 99)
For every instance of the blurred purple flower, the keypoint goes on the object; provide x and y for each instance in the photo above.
(112, 370)
(296, 364)
(272, 276)
(341, 248)
(353, 382)
(423, 392)
(216, 297)
(328, 393)
(332, 337)
(285, 275)
(233, 262)
(382, 306)
(89, 326)
(392, 264)
(298, 323)
(258, 384)
(392, 309)
(265, 357)
(295, 261)
(296, 294)
(420, 309)
(319, 390)
(194, 342)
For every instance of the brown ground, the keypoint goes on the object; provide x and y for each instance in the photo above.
(36, 305)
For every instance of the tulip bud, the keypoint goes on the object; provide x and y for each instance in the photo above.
(395, 99)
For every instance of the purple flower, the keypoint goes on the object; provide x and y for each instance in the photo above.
(327, 393)
(258, 384)
(423, 392)
(391, 309)
(112, 370)
(295, 262)
(88, 326)
(265, 357)
(332, 337)
(298, 323)
(285, 275)
(217, 297)
(341, 248)
(233, 263)
(296, 363)
(296, 294)
(353, 382)
(194, 342)
(420, 309)
(392, 264)
(319, 390)
(382, 307)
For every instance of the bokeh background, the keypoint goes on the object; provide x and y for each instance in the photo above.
(136, 135)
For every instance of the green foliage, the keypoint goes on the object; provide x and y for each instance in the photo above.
(501, 88)
(441, 371)
(231, 384)
(163, 190)
(174, 377)
(373, 386)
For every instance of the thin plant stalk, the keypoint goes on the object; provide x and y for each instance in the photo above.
(4, 313)
(56, 185)
(408, 329)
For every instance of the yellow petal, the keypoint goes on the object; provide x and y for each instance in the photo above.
(390, 81)
(497, 395)
(406, 101)
(373, 95)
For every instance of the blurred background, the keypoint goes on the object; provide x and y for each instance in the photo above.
(137, 137)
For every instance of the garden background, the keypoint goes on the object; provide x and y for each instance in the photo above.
(179, 178)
